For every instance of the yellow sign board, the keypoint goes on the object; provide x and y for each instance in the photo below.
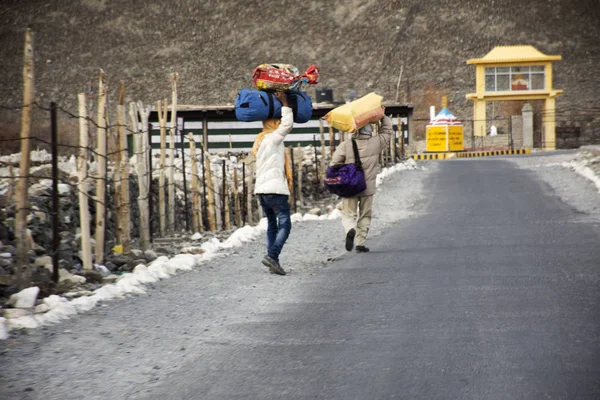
(437, 138)
(442, 138)
(455, 138)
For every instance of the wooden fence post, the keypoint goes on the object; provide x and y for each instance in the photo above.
(125, 216)
(82, 186)
(174, 78)
(300, 159)
(401, 134)
(236, 200)
(323, 156)
(393, 147)
(184, 176)
(331, 142)
(196, 215)
(398, 84)
(218, 205)
(209, 192)
(318, 176)
(101, 171)
(141, 169)
(386, 153)
(225, 190)
(289, 155)
(204, 217)
(162, 121)
(55, 200)
(145, 153)
(250, 165)
(118, 184)
(205, 134)
(23, 182)
(117, 170)
(244, 193)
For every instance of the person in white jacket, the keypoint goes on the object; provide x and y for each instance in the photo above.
(272, 182)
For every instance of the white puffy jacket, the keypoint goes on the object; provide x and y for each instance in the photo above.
(270, 158)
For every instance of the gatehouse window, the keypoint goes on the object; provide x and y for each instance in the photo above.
(514, 79)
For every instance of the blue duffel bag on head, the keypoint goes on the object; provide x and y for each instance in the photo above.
(301, 105)
(257, 105)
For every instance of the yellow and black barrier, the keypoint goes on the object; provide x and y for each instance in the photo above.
(491, 153)
(433, 156)
(470, 154)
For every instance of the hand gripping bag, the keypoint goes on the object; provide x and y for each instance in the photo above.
(353, 116)
(257, 105)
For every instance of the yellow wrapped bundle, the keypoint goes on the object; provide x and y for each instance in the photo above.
(353, 116)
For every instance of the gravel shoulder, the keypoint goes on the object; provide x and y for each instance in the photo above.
(558, 170)
(121, 348)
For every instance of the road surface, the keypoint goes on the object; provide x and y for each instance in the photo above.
(492, 292)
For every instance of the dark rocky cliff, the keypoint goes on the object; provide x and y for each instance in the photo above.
(358, 44)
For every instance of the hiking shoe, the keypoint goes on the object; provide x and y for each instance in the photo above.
(273, 265)
(362, 249)
(350, 239)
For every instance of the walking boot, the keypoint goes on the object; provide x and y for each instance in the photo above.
(350, 239)
(273, 265)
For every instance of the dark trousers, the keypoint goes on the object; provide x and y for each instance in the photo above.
(277, 210)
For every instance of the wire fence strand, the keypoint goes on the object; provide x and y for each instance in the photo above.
(124, 170)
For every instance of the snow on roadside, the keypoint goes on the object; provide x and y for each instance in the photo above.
(582, 169)
(574, 176)
(57, 308)
(406, 165)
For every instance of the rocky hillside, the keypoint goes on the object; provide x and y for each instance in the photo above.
(358, 44)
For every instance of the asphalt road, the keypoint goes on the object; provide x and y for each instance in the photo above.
(493, 293)
(486, 287)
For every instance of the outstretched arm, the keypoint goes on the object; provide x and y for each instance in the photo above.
(287, 119)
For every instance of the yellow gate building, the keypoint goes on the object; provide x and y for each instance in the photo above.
(515, 73)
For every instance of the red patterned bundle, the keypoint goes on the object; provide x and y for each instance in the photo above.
(284, 77)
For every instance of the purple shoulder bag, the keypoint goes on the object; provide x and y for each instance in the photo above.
(346, 180)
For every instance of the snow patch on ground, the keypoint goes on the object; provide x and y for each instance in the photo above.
(584, 171)
(569, 176)
(179, 316)
(59, 308)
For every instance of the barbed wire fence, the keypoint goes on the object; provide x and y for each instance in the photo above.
(113, 195)
(212, 192)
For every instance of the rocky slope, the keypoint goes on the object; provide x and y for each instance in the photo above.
(361, 45)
